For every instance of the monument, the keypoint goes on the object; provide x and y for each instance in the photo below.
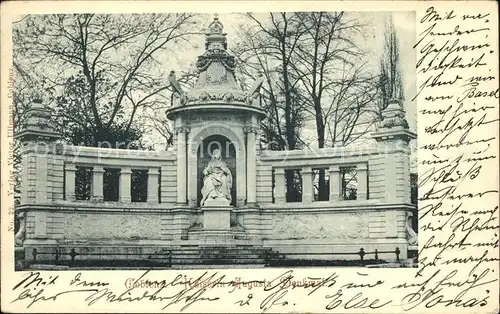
(216, 112)
(216, 188)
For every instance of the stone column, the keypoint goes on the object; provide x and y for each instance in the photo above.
(153, 186)
(362, 192)
(279, 186)
(251, 165)
(181, 164)
(125, 185)
(192, 174)
(335, 185)
(70, 174)
(42, 178)
(97, 183)
(307, 185)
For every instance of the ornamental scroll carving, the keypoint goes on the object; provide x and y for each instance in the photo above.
(393, 116)
(216, 73)
(320, 226)
(21, 233)
(213, 56)
(411, 235)
(116, 226)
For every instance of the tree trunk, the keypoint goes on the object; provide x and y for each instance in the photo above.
(320, 131)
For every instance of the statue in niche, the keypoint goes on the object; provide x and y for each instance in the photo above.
(217, 181)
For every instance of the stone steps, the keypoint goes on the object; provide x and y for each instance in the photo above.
(218, 255)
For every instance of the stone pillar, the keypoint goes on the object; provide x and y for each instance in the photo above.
(362, 174)
(125, 185)
(279, 186)
(42, 178)
(394, 136)
(153, 186)
(38, 138)
(97, 183)
(335, 185)
(307, 185)
(251, 165)
(26, 176)
(181, 165)
(192, 174)
(70, 174)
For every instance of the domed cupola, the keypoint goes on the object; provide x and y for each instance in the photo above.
(216, 87)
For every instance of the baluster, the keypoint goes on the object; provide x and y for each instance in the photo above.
(125, 185)
(153, 186)
(279, 186)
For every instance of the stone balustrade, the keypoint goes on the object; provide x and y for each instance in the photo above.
(58, 169)
(366, 170)
(381, 173)
(378, 210)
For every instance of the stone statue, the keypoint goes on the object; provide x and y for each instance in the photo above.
(217, 181)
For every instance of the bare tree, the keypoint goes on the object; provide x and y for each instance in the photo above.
(324, 50)
(267, 46)
(103, 68)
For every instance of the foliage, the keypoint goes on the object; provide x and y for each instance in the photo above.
(390, 79)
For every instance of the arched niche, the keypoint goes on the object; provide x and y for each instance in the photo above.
(195, 140)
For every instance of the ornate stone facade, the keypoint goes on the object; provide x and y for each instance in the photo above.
(259, 214)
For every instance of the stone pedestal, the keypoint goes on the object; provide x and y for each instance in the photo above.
(216, 217)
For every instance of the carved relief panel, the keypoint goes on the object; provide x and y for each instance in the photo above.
(319, 226)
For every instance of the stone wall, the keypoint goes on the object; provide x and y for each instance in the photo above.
(375, 222)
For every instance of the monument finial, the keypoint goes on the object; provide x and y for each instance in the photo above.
(215, 38)
(216, 27)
